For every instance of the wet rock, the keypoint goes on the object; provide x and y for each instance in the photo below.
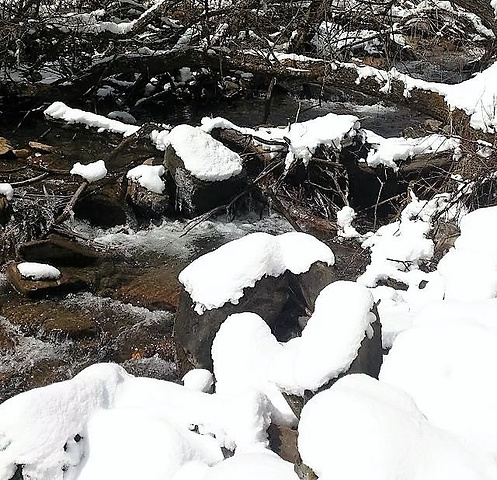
(147, 205)
(310, 283)
(49, 318)
(59, 251)
(103, 209)
(280, 301)
(5, 147)
(157, 289)
(7, 337)
(196, 332)
(370, 355)
(145, 340)
(195, 196)
(31, 288)
(283, 441)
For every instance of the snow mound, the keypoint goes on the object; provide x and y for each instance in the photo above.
(245, 352)
(61, 111)
(469, 270)
(105, 423)
(149, 177)
(91, 172)
(361, 428)
(263, 465)
(388, 151)
(7, 191)
(38, 271)
(205, 157)
(451, 380)
(198, 379)
(220, 276)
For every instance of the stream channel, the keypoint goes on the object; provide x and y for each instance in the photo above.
(124, 318)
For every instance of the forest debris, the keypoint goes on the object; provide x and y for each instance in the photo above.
(5, 146)
(42, 147)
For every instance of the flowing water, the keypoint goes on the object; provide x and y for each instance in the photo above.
(117, 321)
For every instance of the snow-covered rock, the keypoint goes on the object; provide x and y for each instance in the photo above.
(361, 428)
(250, 274)
(38, 271)
(92, 172)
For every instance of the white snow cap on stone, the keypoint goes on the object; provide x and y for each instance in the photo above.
(198, 379)
(361, 428)
(149, 177)
(7, 191)
(205, 157)
(38, 271)
(91, 172)
(220, 276)
(245, 352)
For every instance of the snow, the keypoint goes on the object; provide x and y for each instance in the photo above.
(206, 158)
(105, 423)
(220, 276)
(60, 111)
(245, 352)
(7, 191)
(451, 380)
(476, 96)
(38, 271)
(345, 217)
(388, 151)
(260, 465)
(361, 428)
(149, 177)
(199, 379)
(467, 272)
(92, 172)
(302, 138)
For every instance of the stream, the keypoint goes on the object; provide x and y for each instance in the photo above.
(124, 318)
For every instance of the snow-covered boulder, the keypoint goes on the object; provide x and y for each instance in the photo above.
(258, 273)
(245, 352)
(446, 362)
(206, 173)
(361, 428)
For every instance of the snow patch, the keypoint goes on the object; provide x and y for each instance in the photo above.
(91, 172)
(149, 177)
(38, 271)
(206, 158)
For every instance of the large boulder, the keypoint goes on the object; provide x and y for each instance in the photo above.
(277, 277)
(206, 173)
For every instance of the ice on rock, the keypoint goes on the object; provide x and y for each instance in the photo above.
(220, 276)
(361, 428)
